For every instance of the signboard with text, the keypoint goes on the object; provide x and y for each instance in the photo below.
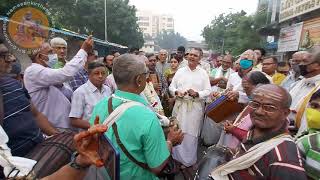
(310, 36)
(289, 39)
(293, 8)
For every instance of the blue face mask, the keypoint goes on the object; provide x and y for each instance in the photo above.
(53, 59)
(246, 64)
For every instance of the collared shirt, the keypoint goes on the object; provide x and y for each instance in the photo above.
(162, 67)
(277, 78)
(290, 81)
(58, 65)
(79, 79)
(183, 63)
(110, 82)
(283, 162)
(40, 82)
(205, 65)
(141, 134)
(235, 83)
(19, 123)
(152, 97)
(85, 98)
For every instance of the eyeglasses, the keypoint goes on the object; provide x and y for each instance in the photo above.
(265, 107)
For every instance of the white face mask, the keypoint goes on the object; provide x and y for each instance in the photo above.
(53, 59)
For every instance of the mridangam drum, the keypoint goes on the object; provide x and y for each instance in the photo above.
(214, 157)
(53, 153)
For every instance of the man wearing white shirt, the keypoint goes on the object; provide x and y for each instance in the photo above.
(88, 95)
(41, 81)
(191, 86)
(294, 75)
(310, 70)
(219, 81)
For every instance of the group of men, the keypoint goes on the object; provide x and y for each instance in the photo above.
(60, 93)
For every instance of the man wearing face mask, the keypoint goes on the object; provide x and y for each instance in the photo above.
(308, 144)
(302, 91)
(294, 75)
(40, 80)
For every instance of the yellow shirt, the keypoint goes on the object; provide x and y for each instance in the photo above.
(277, 78)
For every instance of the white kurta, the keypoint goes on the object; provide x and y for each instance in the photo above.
(298, 94)
(189, 111)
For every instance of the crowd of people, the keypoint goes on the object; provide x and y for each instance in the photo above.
(275, 136)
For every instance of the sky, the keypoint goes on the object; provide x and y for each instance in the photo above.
(191, 16)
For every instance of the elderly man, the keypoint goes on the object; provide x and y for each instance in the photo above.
(268, 152)
(191, 86)
(294, 75)
(260, 53)
(88, 95)
(41, 82)
(21, 120)
(137, 132)
(108, 62)
(59, 47)
(219, 81)
(159, 82)
(162, 64)
(302, 91)
(203, 63)
(269, 67)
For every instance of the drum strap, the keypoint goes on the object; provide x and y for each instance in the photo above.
(123, 148)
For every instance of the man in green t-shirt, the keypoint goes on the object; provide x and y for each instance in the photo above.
(138, 127)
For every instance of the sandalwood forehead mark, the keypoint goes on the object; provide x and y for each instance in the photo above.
(269, 94)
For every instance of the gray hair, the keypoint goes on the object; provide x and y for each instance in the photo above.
(126, 68)
(58, 41)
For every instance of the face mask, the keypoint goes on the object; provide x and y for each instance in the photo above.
(296, 68)
(303, 70)
(53, 59)
(313, 118)
(246, 63)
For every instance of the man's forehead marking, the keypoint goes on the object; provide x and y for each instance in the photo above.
(269, 94)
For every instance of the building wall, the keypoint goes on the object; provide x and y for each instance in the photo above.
(152, 24)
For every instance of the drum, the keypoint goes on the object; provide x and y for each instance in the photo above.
(222, 109)
(214, 157)
(53, 153)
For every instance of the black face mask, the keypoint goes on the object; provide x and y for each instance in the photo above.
(303, 70)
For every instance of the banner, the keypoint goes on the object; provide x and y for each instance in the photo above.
(293, 8)
(290, 38)
(310, 35)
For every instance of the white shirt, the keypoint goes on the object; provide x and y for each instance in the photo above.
(186, 79)
(298, 93)
(110, 82)
(40, 82)
(235, 84)
(190, 111)
(183, 63)
(85, 98)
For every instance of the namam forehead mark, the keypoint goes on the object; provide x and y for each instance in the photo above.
(268, 94)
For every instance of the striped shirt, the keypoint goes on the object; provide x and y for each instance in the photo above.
(281, 163)
(309, 145)
(19, 123)
(79, 79)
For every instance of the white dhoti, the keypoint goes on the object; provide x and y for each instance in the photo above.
(186, 152)
(189, 112)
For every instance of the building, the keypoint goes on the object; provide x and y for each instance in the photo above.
(152, 24)
(294, 26)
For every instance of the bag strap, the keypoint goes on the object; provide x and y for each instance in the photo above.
(123, 148)
(303, 106)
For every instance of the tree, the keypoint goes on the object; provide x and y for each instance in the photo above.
(234, 32)
(87, 16)
(170, 40)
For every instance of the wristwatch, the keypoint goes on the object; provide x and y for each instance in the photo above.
(74, 164)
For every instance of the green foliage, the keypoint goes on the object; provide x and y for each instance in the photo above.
(87, 16)
(170, 40)
(234, 32)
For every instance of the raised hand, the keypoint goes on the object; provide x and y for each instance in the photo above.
(88, 45)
